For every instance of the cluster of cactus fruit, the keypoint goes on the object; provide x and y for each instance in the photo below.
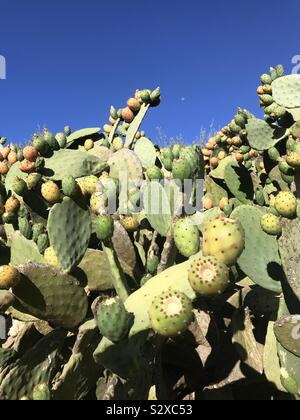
(113, 288)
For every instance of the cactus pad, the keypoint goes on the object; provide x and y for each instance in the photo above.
(261, 135)
(69, 228)
(286, 91)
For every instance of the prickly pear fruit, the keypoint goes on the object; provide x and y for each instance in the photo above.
(208, 276)
(271, 224)
(118, 143)
(130, 223)
(27, 167)
(69, 186)
(50, 257)
(127, 115)
(30, 153)
(51, 140)
(104, 226)
(293, 159)
(67, 130)
(286, 203)
(37, 230)
(187, 237)
(181, 169)
(273, 154)
(40, 144)
(33, 180)
(167, 162)
(224, 239)
(171, 313)
(9, 277)
(25, 227)
(113, 321)
(61, 139)
(41, 393)
(12, 205)
(88, 144)
(90, 184)
(145, 279)
(43, 242)
(50, 192)
(154, 173)
(134, 104)
(152, 263)
(266, 79)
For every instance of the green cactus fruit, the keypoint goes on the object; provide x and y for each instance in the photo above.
(273, 154)
(240, 120)
(166, 153)
(67, 130)
(19, 186)
(285, 168)
(88, 144)
(224, 239)
(69, 186)
(208, 276)
(145, 279)
(40, 144)
(259, 196)
(234, 128)
(167, 162)
(273, 73)
(187, 237)
(291, 145)
(39, 163)
(280, 70)
(176, 151)
(50, 257)
(152, 264)
(113, 113)
(113, 321)
(9, 277)
(90, 184)
(171, 313)
(181, 169)
(61, 140)
(51, 192)
(37, 230)
(266, 79)
(25, 227)
(267, 99)
(43, 242)
(286, 204)
(118, 143)
(20, 155)
(8, 217)
(145, 96)
(33, 180)
(289, 383)
(104, 226)
(51, 140)
(271, 224)
(154, 173)
(41, 393)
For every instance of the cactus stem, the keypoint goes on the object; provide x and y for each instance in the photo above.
(118, 278)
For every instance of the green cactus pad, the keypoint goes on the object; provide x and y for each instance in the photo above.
(146, 152)
(81, 372)
(157, 207)
(219, 172)
(101, 152)
(72, 162)
(290, 371)
(135, 125)
(261, 135)
(69, 229)
(260, 259)
(124, 249)
(286, 91)
(239, 182)
(24, 250)
(287, 332)
(214, 191)
(289, 248)
(96, 270)
(82, 134)
(50, 294)
(125, 162)
(36, 367)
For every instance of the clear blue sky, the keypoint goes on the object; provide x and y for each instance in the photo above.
(69, 60)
